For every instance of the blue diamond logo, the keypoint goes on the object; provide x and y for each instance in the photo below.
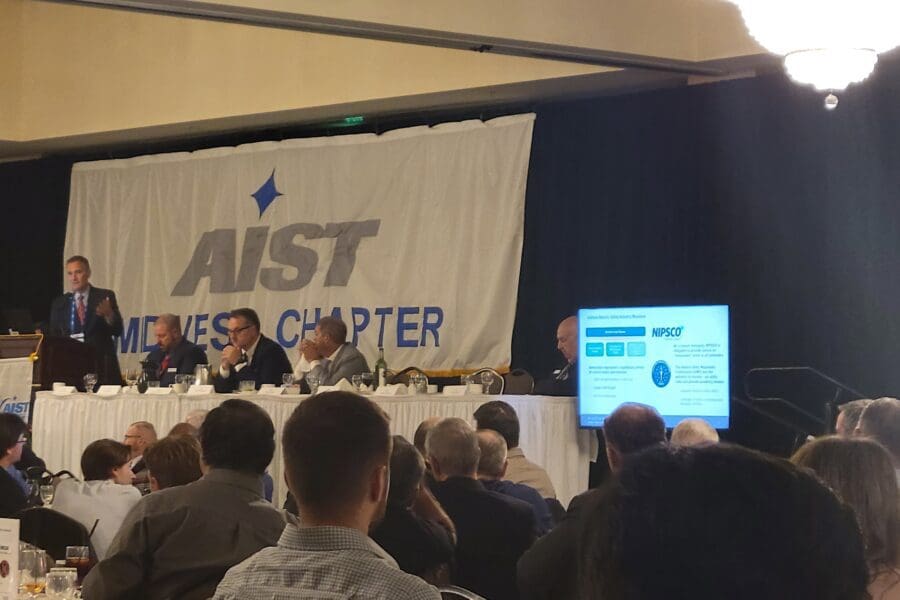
(266, 194)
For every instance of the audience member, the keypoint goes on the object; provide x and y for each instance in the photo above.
(175, 355)
(179, 542)
(196, 417)
(172, 461)
(861, 473)
(422, 434)
(563, 381)
(848, 416)
(629, 428)
(549, 569)
(12, 438)
(329, 355)
(249, 355)
(337, 449)
(502, 418)
(138, 437)
(880, 420)
(716, 522)
(694, 432)
(493, 530)
(184, 429)
(491, 470)
(415, 531)
(102, 500)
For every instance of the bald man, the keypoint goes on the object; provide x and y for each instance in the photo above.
(174, 355)
(564, 381)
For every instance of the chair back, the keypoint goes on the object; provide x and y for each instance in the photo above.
(519, 382)
(497, 384)
(403, 376)
(52, 531)
(454, 592)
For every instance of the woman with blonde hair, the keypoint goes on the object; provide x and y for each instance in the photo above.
(861, 473)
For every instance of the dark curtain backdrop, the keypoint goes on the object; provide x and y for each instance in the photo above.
(743, 192)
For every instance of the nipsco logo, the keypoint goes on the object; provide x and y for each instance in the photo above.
(668, 332)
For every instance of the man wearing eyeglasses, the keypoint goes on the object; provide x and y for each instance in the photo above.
(249, 355)
(12, 438)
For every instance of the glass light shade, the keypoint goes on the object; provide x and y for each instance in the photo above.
(826, 43)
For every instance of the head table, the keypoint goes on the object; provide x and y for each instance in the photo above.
(63, 425)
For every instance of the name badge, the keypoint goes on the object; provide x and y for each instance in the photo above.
(172, 370)
(78, 337)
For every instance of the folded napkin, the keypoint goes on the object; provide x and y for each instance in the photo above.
(455, 390)
(63, 390)
(392, 389)
(159, 391)
(270, 389)
(109, 390)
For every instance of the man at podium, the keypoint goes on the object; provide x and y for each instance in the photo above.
(91, 315)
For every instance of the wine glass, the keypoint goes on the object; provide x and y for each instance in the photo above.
(487, 379)
(90, 382)
(313, 381)
(356, 380)
(47, 493)
(287, 380)
(367, 380)
(131, 377)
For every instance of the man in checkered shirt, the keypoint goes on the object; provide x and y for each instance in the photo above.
(337, 450)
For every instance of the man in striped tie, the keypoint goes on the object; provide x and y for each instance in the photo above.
(90, 315)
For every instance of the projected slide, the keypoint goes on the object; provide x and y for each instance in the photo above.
(675, 358)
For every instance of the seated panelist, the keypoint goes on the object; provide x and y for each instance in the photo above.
(329, 355)
(175, 355)
(249, 355)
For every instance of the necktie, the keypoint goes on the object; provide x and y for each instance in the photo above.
(80, 309)
(326, 366)
(164, 366)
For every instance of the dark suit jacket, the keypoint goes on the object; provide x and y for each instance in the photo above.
(492, 531)
(183, 358)
(565, 383)
(269, 363)
(549, 570)
(12, 498)
(348, 362)
(97, 332)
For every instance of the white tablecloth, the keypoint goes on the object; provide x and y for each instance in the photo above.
(64, 425)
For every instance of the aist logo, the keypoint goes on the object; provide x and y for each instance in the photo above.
(668, 332)
(216, 256)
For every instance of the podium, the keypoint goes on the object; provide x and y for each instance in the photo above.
(21, 346)
(64, 359)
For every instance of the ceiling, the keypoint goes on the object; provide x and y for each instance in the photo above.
(85, 75)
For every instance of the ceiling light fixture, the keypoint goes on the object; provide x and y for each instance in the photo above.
(828, 44)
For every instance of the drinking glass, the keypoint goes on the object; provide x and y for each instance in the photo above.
(287, 380)
(313, 381)
(487, 379)
(47, 493)
(90, 382)
(465, 379)
(33, 567)
(419, 383)
(61, 583)
(153, 383)
(79, 557)
(131, 377)
(367, 380)
(356, 380)
(247, 386)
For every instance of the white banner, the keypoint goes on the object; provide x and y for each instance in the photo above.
(412, 237)
(15, 386)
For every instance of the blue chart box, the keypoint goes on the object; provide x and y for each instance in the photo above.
(615, 349)
(637, 349)
(615, 332)
(594, 349)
